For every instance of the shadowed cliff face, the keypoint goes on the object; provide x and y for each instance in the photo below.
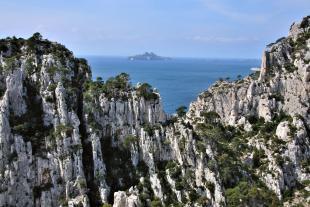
(66, 140)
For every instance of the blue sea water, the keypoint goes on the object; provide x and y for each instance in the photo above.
(179, 80)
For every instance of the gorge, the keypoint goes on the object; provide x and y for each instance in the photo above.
(68, 140)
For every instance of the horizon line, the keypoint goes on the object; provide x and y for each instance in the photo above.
(173, 57)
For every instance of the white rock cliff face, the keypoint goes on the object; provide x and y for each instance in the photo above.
(66, 140)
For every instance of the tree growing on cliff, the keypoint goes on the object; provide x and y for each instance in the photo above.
(181, 111)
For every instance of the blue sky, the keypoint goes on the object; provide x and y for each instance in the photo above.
(176, 28)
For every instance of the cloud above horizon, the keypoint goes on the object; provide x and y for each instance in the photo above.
(195, 28)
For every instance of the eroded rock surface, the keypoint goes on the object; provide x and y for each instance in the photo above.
(68, 140)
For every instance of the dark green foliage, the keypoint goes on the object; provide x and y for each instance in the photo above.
(170, 197)
(30, 125)
(14, 45)
(34, 41)
(2, 88)
(268, 127)
(256, 122)
(200, 145)
(280, 39)
(52, 70)
(37, 190)
(181, 111)
(106, 205)
(49, 99)
(204, 201)
(30, 67)
(257, 158)
(119, 167)
(35, 37)
(13, 157)
(230, 167)
(156, 203)
(255, 75)
(66, 129)
(129, 140)
(211, 117)
(293, 129)
(210, 131)
(52, 87)
(145, 90)
(193, 195)
(298, 46)
(149, 129)
(211, 187)
(3, 46)
(175, 172)
(226, 141)
(281, 116)
(11, 64)
(182, 144)
(247, 194)
(146, 192)
(170, 121)
(290, 67)
(277, 97)
(305, 22)
(143, 169)
(113, 88)
(279, 160)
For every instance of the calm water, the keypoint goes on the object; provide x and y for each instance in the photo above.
(179, 81)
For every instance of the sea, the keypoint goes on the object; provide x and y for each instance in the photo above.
(179, 80)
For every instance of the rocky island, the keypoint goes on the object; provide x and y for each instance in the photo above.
(67, 140)
(148, 56)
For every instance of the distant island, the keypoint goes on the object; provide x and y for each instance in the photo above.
(148, 56)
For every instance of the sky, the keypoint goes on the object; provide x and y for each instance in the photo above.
(174, 28)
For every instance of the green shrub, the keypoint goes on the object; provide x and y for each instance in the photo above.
(29, 66)
(277, 97)
(257, 157)
(61, 128)
(156, 203)
(182, 144)
(200, 145)
(106, 205)
(149, 129)
(49, 99)
(211, 117)
(211, 187)
(52, 70)
(114, 87)
(181, 111)
(145, 90)
(290, 67)
(193, 195)
(52, 87)
(246, 194)
(175, 172)
(129, 140)
(255, 75)
(10, 63)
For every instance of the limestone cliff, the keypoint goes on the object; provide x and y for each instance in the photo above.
(68, 140)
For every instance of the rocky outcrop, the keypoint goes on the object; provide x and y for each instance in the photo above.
(277, 98)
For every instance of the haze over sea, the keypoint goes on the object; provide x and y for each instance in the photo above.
(179, 80)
